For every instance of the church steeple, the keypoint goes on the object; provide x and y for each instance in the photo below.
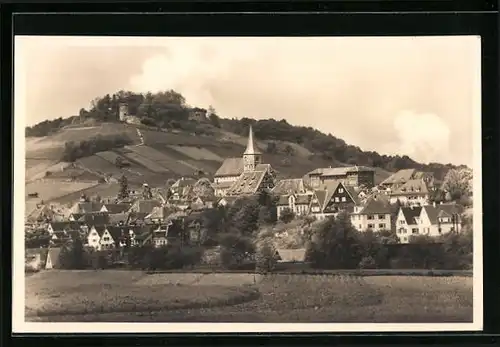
(252, 155)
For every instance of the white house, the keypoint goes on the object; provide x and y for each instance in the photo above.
(375, 214)
(100, 238)
(412, 193)
(430, 220)
(297, 203)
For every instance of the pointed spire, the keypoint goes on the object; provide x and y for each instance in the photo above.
(251, 148)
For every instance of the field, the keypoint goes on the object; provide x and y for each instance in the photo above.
(49, 190)
(105, 190)
(138, 297)
(197, 153)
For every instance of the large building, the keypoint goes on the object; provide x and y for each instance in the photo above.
(245, 175)
(354, 176)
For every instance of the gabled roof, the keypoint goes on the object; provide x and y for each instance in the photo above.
(413, 186)
(228, 199)
(118, 218)
(230, 167)
(67, 225)
(248, 183)
(100, 229)
(145, 206)
(399, 177)
(410, 213)
(303, 199)
(282, 200)
(161, 212)
(117, 232)
(321, 196)
(223, 185)
(87, 207)
(53, 255)
(450, 209)
(183, 182)
(96, 218)
(289, 186)
(377, 204)
(116, 208)
(39, 213)
(134, 217)
(432, 213)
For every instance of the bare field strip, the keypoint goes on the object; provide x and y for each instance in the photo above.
(145, 162)
(197, 153)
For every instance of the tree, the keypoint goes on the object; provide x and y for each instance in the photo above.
(287, 215)
(124, 192)
(72, 255)
(335, 244)
(289, 151)
(271, 148)
(458, 183)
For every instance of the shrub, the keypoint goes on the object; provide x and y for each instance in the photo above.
(287, 215)
(367, 263)
(235, 250)
(265, 257)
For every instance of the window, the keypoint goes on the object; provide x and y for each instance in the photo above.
(344, 199)
(360, 227)
(370, 217)
(106, 238)
(381, 216)
(439, 230)
(414, 231)
(402, 222)
(370, 226)
(381, 226)
(341, 190)
(337, 199)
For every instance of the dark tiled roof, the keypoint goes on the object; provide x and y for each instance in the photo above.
(378, 204)
(61, 226)
(289, 186)
(303, 199)
(321, 196)
(400, 177)
(223, 185)
(432, 213)
(145, 206)
(88, 207)
(230, 167)
(450, 209)
(117, 232)
(413, 186)
(247, 183)
(116, 208)
(118, 218)
(410, 213)
(161, 212)
(352, 193)
(283, 200)
(98, 218)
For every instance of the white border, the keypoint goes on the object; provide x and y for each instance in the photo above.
(20, 326)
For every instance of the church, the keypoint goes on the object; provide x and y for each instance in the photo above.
(243, 176)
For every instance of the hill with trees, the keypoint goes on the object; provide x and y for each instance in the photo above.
(168, 111)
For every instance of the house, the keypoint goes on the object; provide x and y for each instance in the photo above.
(181, 188)
(232, 169)
(401, 177)
(100, 238)
(297, 203)
(42, 213)
(84, 207)
(412, 193)
(159, 214)
(250, 183)
(114, 208)
(121, 235)
(354, 176)
(118, 219)
(333, 198)
(375, 214)
(226, 201)
(63, 227)
(290, 186)
(430, 220)
(168, 232)
(52, 261)
(144, 206)
(197, 114)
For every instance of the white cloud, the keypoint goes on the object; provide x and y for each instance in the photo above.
(424, 137)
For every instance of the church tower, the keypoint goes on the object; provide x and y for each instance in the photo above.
(251, 157)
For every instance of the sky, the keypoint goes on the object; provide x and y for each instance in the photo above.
(415, 96)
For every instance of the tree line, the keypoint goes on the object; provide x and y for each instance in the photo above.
(75, 150)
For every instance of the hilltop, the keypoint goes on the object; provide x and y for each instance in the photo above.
(166, 138)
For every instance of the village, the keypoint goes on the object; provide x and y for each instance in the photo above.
(161, 216)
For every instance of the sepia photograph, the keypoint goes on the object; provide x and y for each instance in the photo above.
(247, 184)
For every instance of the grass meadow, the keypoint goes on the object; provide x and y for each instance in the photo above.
(134, 296)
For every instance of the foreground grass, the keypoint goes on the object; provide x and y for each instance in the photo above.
(61, 293)
(282, 298)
